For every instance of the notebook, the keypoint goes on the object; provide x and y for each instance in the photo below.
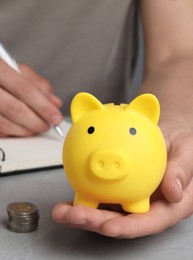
(32, 153)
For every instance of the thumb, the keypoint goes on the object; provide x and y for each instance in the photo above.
(178, 173)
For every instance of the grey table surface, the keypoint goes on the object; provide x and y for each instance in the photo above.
(56, 241)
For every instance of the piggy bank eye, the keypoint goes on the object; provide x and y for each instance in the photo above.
(132, 131)
(90, 130)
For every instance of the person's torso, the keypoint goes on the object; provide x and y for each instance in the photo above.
(77, 45)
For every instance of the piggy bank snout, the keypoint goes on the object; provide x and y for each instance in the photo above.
(108, 165)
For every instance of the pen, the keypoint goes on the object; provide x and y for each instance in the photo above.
(9, 59)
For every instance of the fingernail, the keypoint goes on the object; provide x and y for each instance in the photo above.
(56, 119)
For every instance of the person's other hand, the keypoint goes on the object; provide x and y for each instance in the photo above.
(27, 103)
(172, 201)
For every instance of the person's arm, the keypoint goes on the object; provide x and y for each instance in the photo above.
(27, 103)
(168, 36)
(168, 33)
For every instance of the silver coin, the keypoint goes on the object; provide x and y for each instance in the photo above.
(22, 217)
(22, 208)
(22, 229)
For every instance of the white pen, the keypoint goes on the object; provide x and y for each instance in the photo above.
(9, 59)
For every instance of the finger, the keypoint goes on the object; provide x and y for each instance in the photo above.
(8, 128)
(41, 83)
(55, 100)
(2, 135)
(19, 114)
(179, 170)
(24, 90)
(82, 217)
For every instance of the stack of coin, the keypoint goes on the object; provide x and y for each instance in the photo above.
(23, 217)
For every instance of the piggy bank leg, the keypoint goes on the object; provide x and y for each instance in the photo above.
(142, 206)
(80, 200)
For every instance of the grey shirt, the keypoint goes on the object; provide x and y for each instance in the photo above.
(78, 45)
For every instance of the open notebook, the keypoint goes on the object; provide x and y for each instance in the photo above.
(30, 153)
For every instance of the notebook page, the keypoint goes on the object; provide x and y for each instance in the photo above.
(33, 152)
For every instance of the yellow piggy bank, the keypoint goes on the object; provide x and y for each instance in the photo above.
(114, 153)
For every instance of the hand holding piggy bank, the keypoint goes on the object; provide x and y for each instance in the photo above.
(115, 153)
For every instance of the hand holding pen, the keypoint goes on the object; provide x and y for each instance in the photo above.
(27, 103)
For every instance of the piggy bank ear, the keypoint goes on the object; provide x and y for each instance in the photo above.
(148, 105)
(82, 103)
